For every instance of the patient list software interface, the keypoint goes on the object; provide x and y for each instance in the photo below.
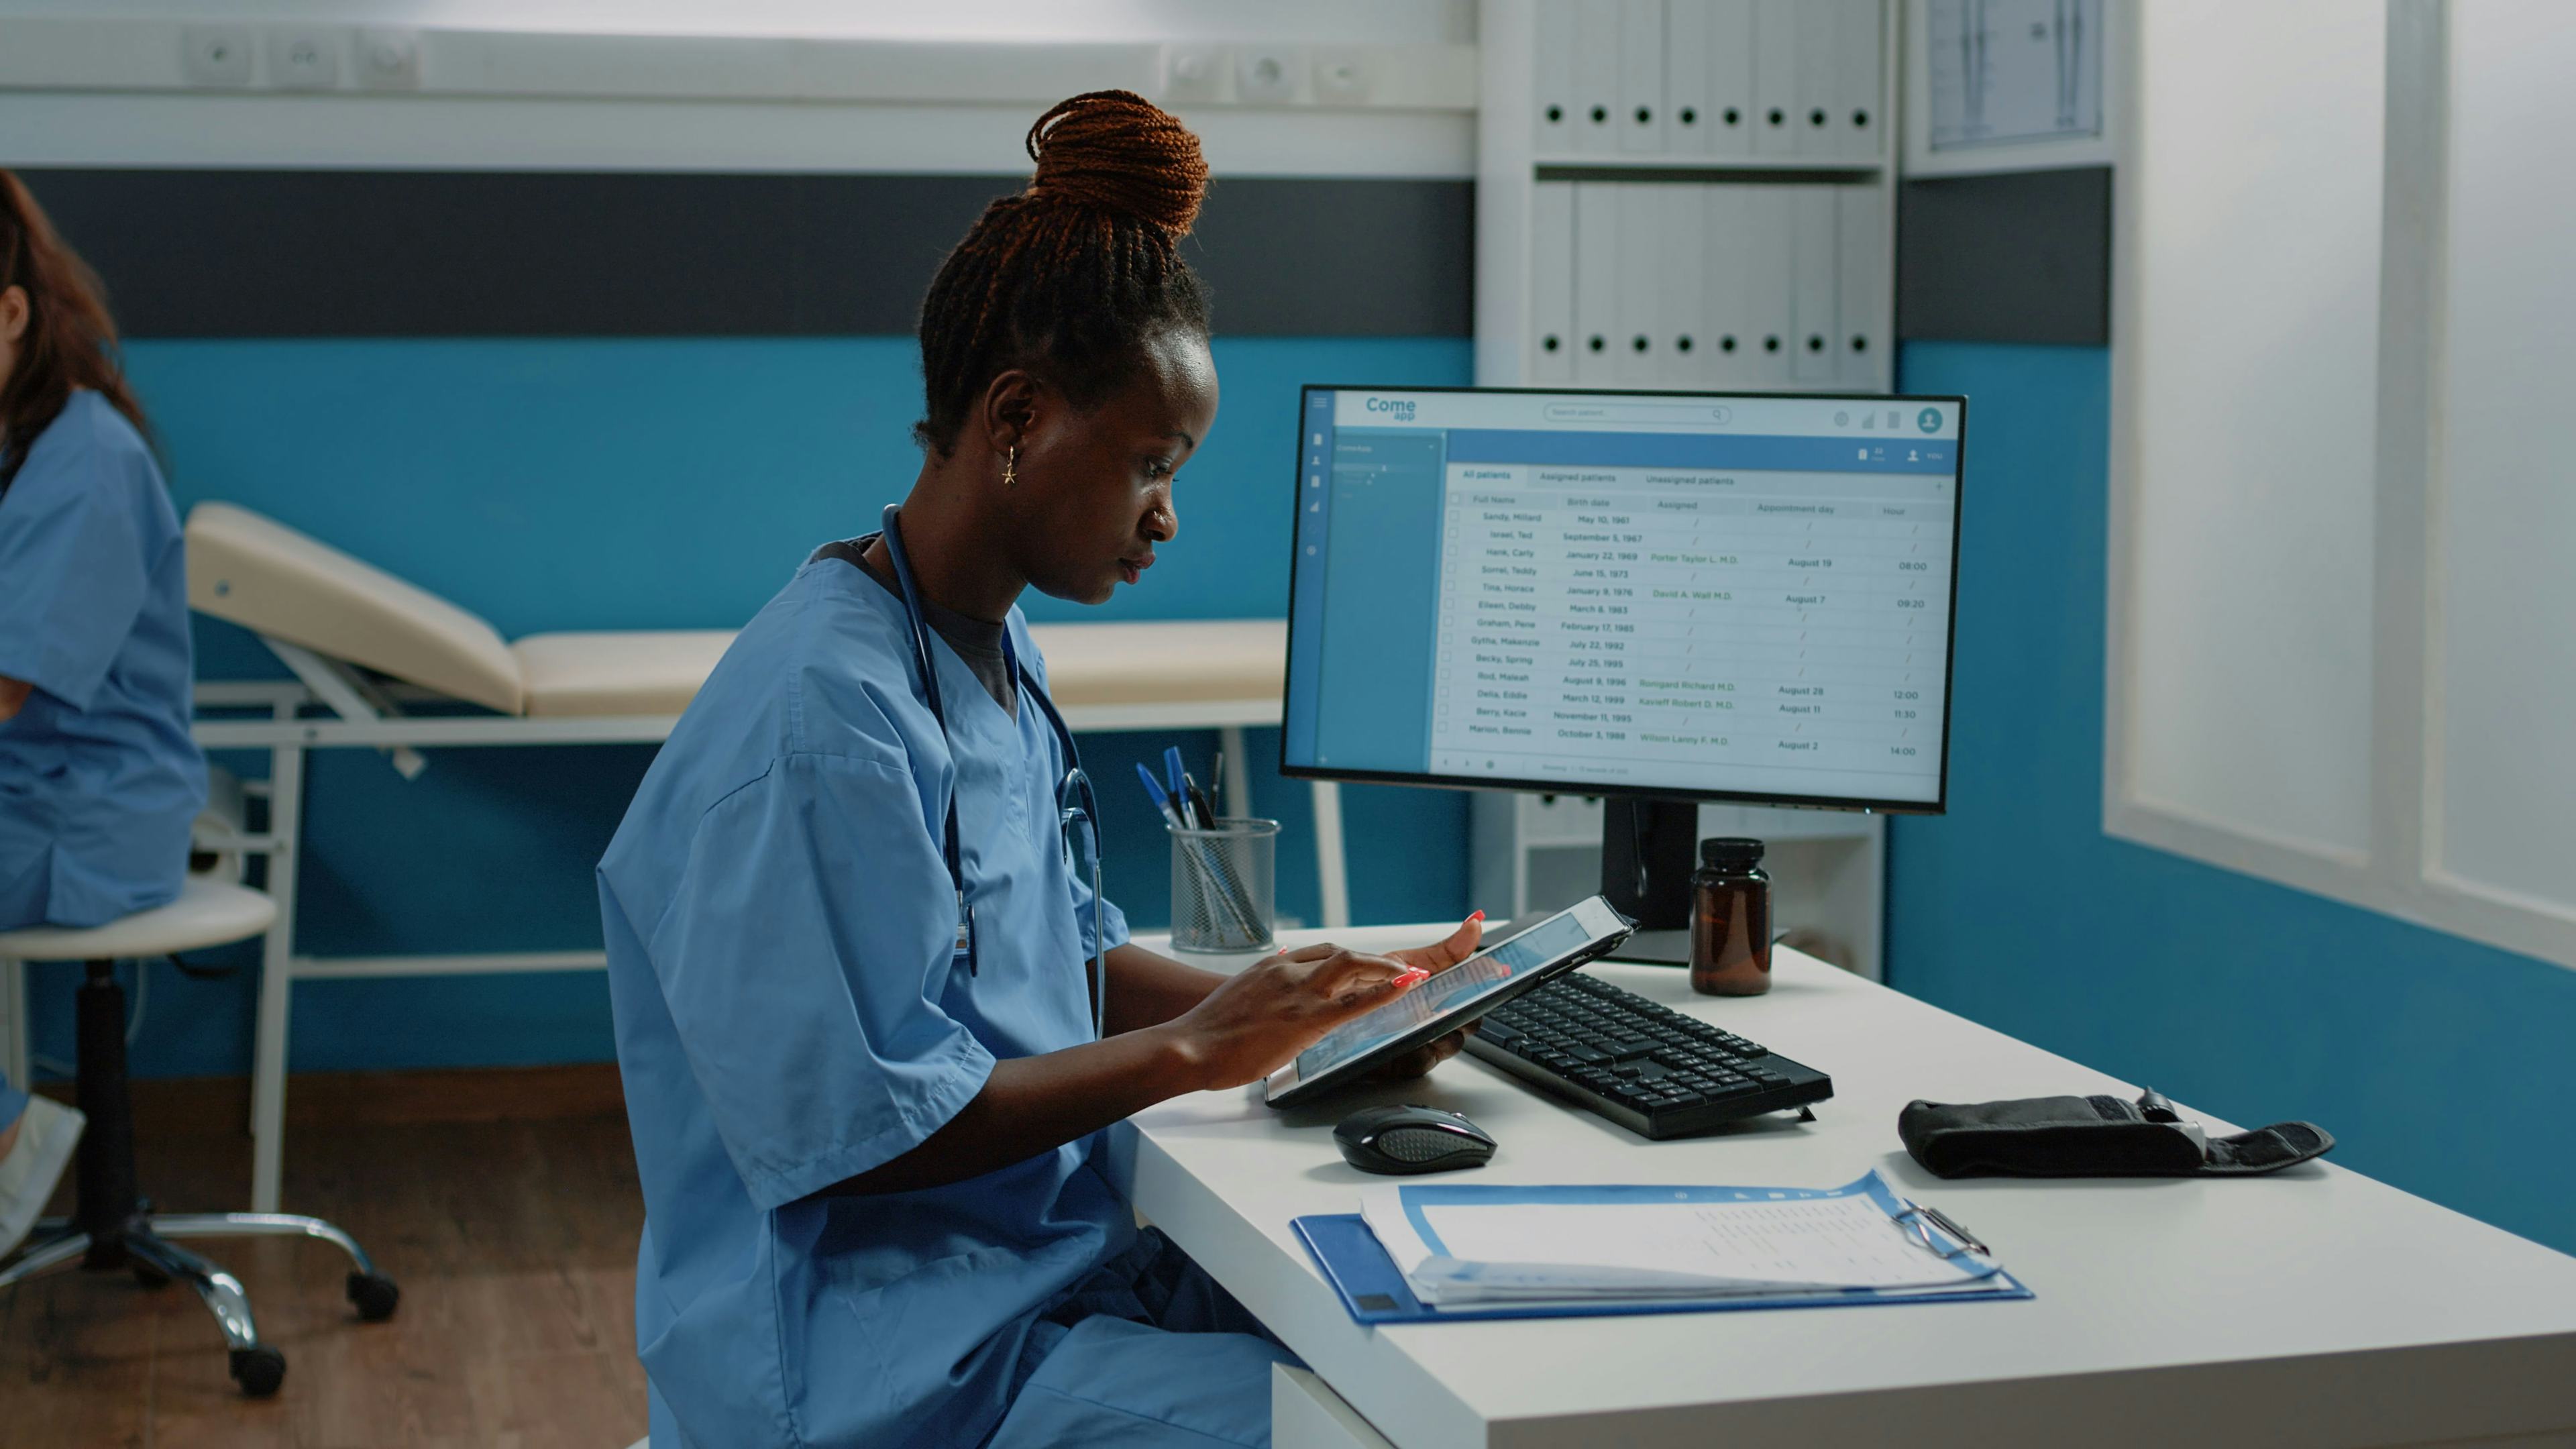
(1733, 596)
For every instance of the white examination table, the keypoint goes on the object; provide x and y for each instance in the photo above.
(363, 644)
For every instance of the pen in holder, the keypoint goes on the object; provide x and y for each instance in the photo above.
(1224, 885)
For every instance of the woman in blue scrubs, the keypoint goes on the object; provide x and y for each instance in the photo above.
(876, 1207)
(99, 779)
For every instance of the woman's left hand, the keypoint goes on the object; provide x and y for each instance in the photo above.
(1437, 957)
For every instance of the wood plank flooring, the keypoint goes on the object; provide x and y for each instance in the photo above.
(503, 1202)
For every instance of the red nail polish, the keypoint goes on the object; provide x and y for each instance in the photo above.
(1476, 915)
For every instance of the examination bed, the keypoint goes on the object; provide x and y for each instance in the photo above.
(381, 663)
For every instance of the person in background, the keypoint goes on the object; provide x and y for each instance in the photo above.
(877, 1210)
(99, 780)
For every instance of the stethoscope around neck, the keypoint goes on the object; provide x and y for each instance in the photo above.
(1077, 812)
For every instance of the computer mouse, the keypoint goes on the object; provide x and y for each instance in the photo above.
(1411, 1139)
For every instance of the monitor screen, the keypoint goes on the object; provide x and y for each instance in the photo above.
(1694, 596)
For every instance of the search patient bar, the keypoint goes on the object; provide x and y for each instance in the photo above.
(1638, 412)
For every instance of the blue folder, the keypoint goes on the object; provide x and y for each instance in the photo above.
(1375, 1292)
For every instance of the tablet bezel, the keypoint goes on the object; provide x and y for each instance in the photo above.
(1607, 929)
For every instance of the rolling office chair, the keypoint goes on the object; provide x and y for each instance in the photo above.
(113, 1226)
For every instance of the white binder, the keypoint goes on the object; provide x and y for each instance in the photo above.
(1596, 282)
(1641, 76)
(1596, 74)
(1732, 114)
(1863, 130)
(1768, 344)
(1687, 118)
(1685, 341)
(1820, 77)
(1554, 99)
(1552, 341)
(1640, 343)
(1727, 259)
(1817, 257)
(1861, 289)
(1775, 77)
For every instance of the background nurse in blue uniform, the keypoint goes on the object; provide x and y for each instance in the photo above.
(876, 1211)
(99, 779)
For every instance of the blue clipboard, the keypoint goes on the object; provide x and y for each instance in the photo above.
(1374, 1292)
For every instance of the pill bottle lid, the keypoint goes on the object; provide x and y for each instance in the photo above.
(1734, 850)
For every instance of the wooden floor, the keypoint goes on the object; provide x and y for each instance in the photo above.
(503, 1203)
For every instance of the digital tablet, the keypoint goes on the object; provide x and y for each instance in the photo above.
(1452, 999)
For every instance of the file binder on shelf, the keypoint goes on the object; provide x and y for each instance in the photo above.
(1552, 339)
(1775, 76)
(1688, 122)
(1817, 256)
(1641, 283)
(1730, 77)
(1596, 282)
(1726, 290)
(1861, 288)
(1820, 79)
(1770, 267)
(1683, 231)
(1554, 99)
(1596, 75)
(1641, 77)
(1862, 60)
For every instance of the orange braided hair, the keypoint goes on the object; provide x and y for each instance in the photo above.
(1071, 275)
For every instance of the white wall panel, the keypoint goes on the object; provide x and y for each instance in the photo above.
(2503, 576)
(2248, 384)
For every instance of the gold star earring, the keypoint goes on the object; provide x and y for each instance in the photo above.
(1010, 467)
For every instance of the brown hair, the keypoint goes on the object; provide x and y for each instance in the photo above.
(70, 340)
(1069, 277)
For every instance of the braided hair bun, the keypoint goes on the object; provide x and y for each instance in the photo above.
(1120, 153)
(1069, 278)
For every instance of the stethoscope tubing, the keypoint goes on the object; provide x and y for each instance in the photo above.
(1083, 811)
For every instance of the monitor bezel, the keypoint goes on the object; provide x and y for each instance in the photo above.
(1938, 805)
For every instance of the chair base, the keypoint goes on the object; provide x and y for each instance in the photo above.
(116, 1228)
(146, 1245)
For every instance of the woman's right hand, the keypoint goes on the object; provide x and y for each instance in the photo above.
(1254, 1023)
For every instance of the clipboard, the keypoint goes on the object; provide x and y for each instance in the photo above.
(1373, 1291)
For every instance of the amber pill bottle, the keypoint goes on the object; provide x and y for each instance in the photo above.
(1730, 919)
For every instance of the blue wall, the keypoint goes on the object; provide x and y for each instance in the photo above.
(2442, 1067)
(651, 484)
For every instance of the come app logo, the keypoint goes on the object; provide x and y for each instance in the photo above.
(1929, 420)
(1397, 409)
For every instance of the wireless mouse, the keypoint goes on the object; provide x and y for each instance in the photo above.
(1411, 1139)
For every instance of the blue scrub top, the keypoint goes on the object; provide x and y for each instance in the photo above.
(99, 780)
(779, 927)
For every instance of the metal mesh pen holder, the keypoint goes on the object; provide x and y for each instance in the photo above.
(1224, 885)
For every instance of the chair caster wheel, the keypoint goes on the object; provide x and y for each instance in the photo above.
(259, 1370)
(147, 1275)
(375, 1295)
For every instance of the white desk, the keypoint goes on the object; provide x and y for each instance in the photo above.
(2314, 1306)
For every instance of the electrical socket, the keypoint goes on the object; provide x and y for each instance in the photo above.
(1341, 77)
(1266, 75)
(1192, 72)
(388, 59)
(215, 55)
(304, 57)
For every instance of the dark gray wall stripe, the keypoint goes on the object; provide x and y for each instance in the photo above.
(201, 253)
(2017, 257)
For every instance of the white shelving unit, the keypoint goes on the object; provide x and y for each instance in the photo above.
(1688, 195)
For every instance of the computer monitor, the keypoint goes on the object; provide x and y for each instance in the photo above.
(1640, 595)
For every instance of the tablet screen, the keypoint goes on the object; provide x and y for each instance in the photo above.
(1459, 986)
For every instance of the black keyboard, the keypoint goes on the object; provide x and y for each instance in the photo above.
(1641, 1064)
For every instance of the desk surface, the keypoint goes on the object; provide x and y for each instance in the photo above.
(2313, 1306)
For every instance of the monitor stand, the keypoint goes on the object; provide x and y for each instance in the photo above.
(1648, 850)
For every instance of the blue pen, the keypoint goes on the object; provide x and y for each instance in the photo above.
(1173, 780)
(1154, 788)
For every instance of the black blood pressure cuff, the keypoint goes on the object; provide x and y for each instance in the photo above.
(2093, 1137)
